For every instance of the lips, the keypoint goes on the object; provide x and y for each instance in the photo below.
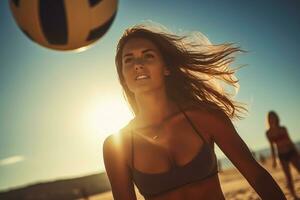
(142, 77)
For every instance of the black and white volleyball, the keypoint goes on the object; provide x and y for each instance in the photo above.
(64, 24)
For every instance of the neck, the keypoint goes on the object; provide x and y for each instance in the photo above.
(154, 107)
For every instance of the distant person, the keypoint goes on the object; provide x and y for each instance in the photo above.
(167, 150)
(287, 153)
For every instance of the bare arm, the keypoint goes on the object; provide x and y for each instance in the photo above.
(286, 132)
(117, 169)
(272, 145)
(226, 137)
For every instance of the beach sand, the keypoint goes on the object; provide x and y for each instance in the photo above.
(235, 186)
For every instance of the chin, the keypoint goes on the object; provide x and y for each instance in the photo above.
(143, 90)
(146, 89)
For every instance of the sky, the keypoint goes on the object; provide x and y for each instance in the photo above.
(56, 108)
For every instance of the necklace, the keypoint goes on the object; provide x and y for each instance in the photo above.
(157, 126)
(155, 137)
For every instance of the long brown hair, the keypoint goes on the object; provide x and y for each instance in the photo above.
(194, 64)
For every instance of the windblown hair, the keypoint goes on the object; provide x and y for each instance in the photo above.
(196, 69)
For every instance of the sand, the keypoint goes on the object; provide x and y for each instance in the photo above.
(235, 186)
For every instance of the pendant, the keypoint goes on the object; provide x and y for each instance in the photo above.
(155, 137)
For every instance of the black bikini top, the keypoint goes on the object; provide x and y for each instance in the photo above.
(202, 166)
(280, 136)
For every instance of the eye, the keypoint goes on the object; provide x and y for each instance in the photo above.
(149, 55)
(127, 60)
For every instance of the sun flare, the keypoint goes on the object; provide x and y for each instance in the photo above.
(108, 116)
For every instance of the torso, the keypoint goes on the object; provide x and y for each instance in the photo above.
(208, 189)
(280, 137)
(177, 144)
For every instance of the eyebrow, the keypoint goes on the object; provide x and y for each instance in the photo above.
(144, 51)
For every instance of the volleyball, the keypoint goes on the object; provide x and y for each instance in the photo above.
(64, 24)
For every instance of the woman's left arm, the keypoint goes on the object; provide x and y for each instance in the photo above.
(226, 137)
(288, 136)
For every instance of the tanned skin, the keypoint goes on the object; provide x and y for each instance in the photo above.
(175, 136)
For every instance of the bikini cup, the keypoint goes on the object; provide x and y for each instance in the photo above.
(200, 167)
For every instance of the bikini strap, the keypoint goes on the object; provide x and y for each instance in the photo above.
(192, 125)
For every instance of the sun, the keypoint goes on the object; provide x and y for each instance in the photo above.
(107, 116)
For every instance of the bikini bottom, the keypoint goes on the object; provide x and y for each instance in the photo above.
(286, 156)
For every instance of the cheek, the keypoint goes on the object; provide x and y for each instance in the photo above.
(158, 70)
(127, 75)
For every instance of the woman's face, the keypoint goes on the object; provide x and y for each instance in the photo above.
(142, 66)
(273, 121)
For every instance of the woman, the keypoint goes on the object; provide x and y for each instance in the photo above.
(167, 150)
(286, 150)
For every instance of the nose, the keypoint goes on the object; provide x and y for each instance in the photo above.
(139, 64)
(139, 67)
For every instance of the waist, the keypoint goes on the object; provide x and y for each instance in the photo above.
(286, 149)
(193, 190)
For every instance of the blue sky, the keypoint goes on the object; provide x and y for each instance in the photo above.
(57, 107)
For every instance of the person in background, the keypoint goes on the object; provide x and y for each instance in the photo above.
(286, 151)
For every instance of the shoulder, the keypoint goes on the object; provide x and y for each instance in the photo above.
(118, 144)
(211, 122)
(283, 128)
(208, 115)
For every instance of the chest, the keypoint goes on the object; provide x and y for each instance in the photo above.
(174, 144)
(277, 135)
